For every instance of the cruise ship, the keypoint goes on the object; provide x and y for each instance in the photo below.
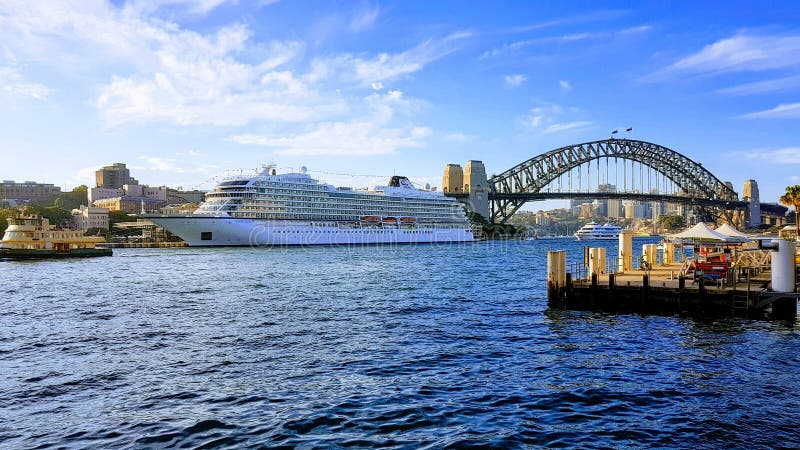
(592, 232)
(295, 209)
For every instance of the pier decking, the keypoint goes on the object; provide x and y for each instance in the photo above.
(665, 289)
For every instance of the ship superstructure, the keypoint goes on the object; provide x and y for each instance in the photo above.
(295, 209)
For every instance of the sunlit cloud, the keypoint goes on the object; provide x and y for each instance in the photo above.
(552, 118)
(365, 19)
(786, 155)
(763, 87)
(782, 111)
(13, 82)
(739, 53)
(516, 80)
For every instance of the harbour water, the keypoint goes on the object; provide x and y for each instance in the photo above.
(392, 346)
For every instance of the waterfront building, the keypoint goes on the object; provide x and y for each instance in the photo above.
(28, 192)
(181, 196)
(87, 217)
(128, 190)
(131, 205)
(114, 176)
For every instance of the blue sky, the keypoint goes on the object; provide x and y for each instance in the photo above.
(183, 90)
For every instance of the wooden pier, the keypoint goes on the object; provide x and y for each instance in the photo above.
(666, 289)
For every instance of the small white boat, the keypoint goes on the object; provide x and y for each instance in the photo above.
(592, 231)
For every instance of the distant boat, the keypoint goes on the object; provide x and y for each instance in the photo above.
(595, 232)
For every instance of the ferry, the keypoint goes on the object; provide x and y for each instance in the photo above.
(30, 236)
(295, 209)
(593, 232)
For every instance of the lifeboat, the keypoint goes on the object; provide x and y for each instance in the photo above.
(371, 219)
(389, 220)
(407, 220)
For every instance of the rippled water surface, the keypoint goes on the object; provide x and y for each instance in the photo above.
(410, 346)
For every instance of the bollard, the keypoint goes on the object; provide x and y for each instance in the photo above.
(649, 254)
(556, 273)
(597, 261)
(669, 253)
(625, 250)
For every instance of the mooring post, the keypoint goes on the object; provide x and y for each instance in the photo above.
(593, 289)
(586, 257)
(669, 253)
(645, 288)
(612, 278)
(568, 282)
(556, 274)
(625, 250)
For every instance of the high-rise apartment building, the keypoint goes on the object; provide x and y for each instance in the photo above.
(114, 177)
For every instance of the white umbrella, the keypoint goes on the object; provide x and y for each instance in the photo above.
(728, 230)
(702, 232)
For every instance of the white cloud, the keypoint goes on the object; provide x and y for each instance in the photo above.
(12, 82)
(174, 165)
(377, 86)
(192, 6)
(741, 53)
(782, 111)
(516, 80)
(762, 87)
(549, 118)
(460, 137)
(158, 71)
(371, 133)
(565, 86)
(786, 155)
(365, 19)
(593, 16)
(564, 39)
(564, 126)
(390, 66)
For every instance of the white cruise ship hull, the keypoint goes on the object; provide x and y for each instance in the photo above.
(213, 231)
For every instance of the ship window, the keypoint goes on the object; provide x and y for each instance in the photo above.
(205, 236)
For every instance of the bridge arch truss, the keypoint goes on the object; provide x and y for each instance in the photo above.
(527, 181)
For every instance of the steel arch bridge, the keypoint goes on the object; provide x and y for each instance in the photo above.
(527, 181)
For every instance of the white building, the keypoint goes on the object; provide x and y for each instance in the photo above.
(90, 217)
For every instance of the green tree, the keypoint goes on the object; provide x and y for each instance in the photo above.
(56, 216)
(672, 223)
(4, 215)
(117, 217)
(792, 198)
